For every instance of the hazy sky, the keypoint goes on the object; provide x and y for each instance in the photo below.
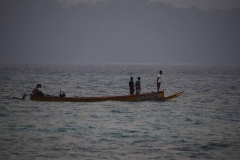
(202, 4)
(120, 31)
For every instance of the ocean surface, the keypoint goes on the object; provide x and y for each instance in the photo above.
(203, 123)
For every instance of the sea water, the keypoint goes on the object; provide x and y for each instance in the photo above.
(203, 123)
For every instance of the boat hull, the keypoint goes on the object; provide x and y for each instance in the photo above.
(141, 97)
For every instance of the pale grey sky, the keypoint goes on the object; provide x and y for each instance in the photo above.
(202, 4)
(136, 31)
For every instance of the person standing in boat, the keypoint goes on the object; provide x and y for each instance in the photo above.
(131, 86)
(159, 80)
(138, 86)
(36, 91)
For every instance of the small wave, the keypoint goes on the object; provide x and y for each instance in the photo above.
(213, 145)
(116, 111)
(184, 148)
(188, 119)
(61, 129)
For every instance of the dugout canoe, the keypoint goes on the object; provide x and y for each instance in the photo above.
(151, 96)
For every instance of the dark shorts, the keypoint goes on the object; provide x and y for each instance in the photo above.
(131, 90)
(158, 84)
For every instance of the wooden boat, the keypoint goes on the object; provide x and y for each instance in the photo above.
(151, 96)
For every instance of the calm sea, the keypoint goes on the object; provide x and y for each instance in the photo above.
(204, 123)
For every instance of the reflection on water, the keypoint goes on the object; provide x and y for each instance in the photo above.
(201, 124)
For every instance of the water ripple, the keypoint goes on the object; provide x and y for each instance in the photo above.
(201, 124)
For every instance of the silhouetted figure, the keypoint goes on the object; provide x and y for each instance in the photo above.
(159, 80)
(131, 86)
(138, 86)
(36, 91)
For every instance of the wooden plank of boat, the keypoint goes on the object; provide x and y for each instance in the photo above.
(151, 96)
(173, 96)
